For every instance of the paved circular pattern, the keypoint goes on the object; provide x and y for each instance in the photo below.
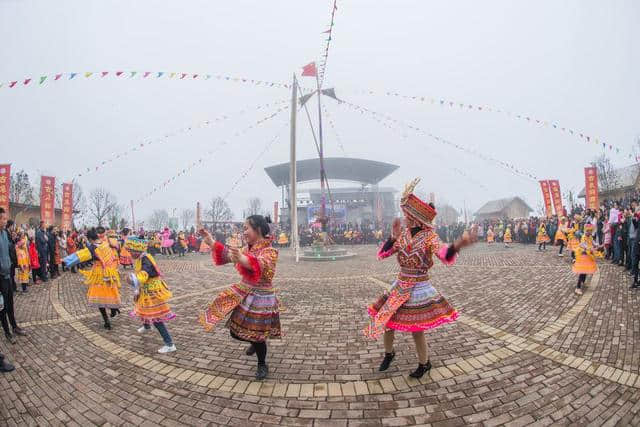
(525, 350)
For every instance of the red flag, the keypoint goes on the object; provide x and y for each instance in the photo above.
(58, 76)
(104, 73)
(26, 82)
(12, 84)
(310, 70)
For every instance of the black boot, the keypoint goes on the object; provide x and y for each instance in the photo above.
(115, 312)
(420, 371)
(262, 372)
(251, 350)
(388, 357)
(107, 324)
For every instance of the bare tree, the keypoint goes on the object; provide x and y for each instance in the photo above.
(21, 189)
(219, 210)
(158, 219)
(101, 203)
(187, 216)
(608, 178)
(116, 217)
(254, 207)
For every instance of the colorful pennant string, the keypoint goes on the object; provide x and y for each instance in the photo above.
(329, 119)
(207, 155)
(462, 106)
(164, 138)
(329, 33)
(505, 165)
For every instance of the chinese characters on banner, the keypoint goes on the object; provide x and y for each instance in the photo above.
(47, 200)
(67, 206)
(546, 195)
(591, 187)
(556, 196)
(5, 187)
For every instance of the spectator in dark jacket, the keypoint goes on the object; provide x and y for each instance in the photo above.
(43, 251)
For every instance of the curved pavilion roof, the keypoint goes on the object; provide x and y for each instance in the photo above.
(341, 168)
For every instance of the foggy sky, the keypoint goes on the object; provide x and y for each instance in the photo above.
(573, 62)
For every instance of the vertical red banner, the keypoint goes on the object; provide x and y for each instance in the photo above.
(556, 196)
(591, 187)
(546, 196)
(275, 212)
(5, 187)
(47, 200)
(67, 206)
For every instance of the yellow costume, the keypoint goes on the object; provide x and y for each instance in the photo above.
(283, 239)
(573, 241)
(103, 278)
(490, 236)
(586, 255)
(542, 236)
(152, 293)
(507, 235)
(24, 264)
(561, 233)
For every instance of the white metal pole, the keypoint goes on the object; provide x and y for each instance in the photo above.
(293, 210)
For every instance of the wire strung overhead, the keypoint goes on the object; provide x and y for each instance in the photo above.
(329, 32)
(333, 128)
(155, 141)
(208, 154)
(529, 118)
(508, 166)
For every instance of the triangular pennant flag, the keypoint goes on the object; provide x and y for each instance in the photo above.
(42, 79)
(119, 73)
(207, 77)
(172, 75)
(160, 73)
(331, 93)
(12, 84)
(195, 76)
(58, 76)
(104, 73)
(133, 73)
(88, 74)
(305, 98)
(326, 32)
(146, 74)
(72, 75)
(183, 76)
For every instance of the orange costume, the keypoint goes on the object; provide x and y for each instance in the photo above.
(24, 264)
(490, 236)
(586, 255)
(103, 278)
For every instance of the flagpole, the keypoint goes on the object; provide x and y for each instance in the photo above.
(133, 219)
(293, 209)
(322, 172)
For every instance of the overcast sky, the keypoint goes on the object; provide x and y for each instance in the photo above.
(572, 62)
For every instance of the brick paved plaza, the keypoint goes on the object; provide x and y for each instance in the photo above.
(525, 350)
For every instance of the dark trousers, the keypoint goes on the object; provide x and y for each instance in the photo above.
(42, 271)
(7, 315)
(631, 249)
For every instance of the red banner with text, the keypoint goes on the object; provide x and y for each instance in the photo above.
(556, 196)
(546, 196)
(5, 187)
(67, 206)
(47, 200)
(591, 187)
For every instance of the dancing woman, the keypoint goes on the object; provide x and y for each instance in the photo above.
(586, 253)
(255, 316)
(103, 278)
(413, 304)
(561, 235)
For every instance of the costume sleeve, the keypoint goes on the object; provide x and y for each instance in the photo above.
(445, 253)
(220, 254)
(389, 248)
(262, 265)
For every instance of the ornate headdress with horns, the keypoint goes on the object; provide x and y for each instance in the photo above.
(414, 208)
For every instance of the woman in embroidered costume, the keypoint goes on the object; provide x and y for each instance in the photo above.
(561, 235)
(572, 235)
(103, 279)
(167, 242)
(182, 244)
(507, 237)
(151, 293)
(24, 265)
(125, 255)
(586, 253)
(490, 235)
(542, 238)
(412, 304)
(255, 316)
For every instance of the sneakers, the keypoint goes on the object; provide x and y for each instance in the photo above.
(262, 372)
(167, 349)
(19, 331)
(142, 329)
(386, 362)
(578, 291)
(561, 255)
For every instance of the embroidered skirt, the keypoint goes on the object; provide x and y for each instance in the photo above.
(255, 313)
(425, 308)
(152, 303)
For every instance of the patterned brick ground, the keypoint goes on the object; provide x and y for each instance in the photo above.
(526, 351)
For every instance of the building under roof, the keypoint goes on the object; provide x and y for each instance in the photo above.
(510, 207)
(337, 168)
(626, 179)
